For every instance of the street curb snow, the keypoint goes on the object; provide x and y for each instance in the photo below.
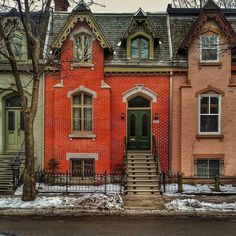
(62, 212)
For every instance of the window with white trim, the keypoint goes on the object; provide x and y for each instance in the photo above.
(140, 48)
(83, 48)
(209, 113)
(208, 168)
(82, 167)
(82, 113)
(209, 48)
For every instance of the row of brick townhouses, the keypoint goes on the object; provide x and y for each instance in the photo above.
(130, 77)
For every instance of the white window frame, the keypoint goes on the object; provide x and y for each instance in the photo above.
(199, 114)
(218, 48)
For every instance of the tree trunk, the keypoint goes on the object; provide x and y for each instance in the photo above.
(29, 190)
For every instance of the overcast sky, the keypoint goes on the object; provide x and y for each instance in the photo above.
(131, 5)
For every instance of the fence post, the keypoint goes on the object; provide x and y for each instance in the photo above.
(217, 184)
(164, 181)
(67, 176)
(105, 182)
(180, 183)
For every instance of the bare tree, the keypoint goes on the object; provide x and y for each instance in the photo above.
(19, 15)
(229, 4)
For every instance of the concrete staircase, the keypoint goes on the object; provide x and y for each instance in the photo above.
(6, 176)
(142, 174)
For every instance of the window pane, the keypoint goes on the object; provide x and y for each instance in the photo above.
(87, 100)
(135, 48)
(17, 45)
(139, 102)
(11, 121)
(145, 125)
(88, 168)
(78, 48)
(77, 119)
(87, 119)
(14, 101)
(214, 168)
(202, 168)
(77, 99)
(209, 54)
(209, 41)
(22, 123)
(76, 168)
(204, 105)
(144, 48)
(209, 123)
(214, 105)
(87, 47)
(132, 125)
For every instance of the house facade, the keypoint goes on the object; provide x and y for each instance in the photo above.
(112, 85)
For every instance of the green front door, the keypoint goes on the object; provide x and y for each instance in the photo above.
(139, 129)
(14, 129)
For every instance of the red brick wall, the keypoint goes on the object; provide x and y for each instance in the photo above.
(58, 111)
(119, 85)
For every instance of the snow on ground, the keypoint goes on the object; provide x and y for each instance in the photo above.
(86, 201)
(198, 188)
(42, 188)
(195, 205)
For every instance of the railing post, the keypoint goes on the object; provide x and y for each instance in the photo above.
(180, 183)
(164, 181)
(67, 181)
(217, 183)
(105, 182)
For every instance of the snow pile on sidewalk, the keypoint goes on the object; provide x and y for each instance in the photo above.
(86, 201)
(198, 188)
(195, 205)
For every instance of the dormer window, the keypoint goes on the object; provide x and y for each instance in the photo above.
(140, 48)
(209, 48)
(17, 42)
(83, 48)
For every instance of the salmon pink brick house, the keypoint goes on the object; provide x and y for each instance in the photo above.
(112, 84)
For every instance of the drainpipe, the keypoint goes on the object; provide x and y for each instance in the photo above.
(170, 96)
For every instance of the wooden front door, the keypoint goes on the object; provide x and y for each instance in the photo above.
(139, 129)
(14, 129)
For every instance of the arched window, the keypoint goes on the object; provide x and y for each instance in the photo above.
(138, 101)
(83, 47)
(140, 48)
(82, 112)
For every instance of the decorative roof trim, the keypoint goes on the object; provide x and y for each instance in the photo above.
(205, 16)
(81, 89)
(70, 24)
(147, 23)
(209, 89)
(140, 89)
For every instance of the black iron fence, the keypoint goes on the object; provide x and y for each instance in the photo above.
(178, 183)
(80, 182)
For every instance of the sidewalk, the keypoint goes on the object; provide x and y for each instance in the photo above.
(100, 204)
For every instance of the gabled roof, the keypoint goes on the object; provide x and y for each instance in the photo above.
(81, 13)
(140, 17)
(210, 12)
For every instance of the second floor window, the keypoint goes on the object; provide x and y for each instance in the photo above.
(83, 48)
(82, 113)
(140, 48)
(209, 47)
(209, 114)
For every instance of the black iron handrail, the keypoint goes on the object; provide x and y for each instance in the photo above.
(126, 155)
(156, 157)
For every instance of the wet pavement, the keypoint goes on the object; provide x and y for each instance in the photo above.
(117, 225)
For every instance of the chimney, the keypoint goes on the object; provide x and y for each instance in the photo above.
(61, 5)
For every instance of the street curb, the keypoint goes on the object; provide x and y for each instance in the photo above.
(62, 212)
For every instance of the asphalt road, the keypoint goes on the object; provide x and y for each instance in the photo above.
(123, 225)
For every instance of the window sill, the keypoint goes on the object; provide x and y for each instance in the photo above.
(210, 136)
(82, 65)
(206, 63)
(81, 135)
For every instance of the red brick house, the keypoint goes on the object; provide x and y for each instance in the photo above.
(112, 84)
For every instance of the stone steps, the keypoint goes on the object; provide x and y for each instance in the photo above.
(142, 175)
